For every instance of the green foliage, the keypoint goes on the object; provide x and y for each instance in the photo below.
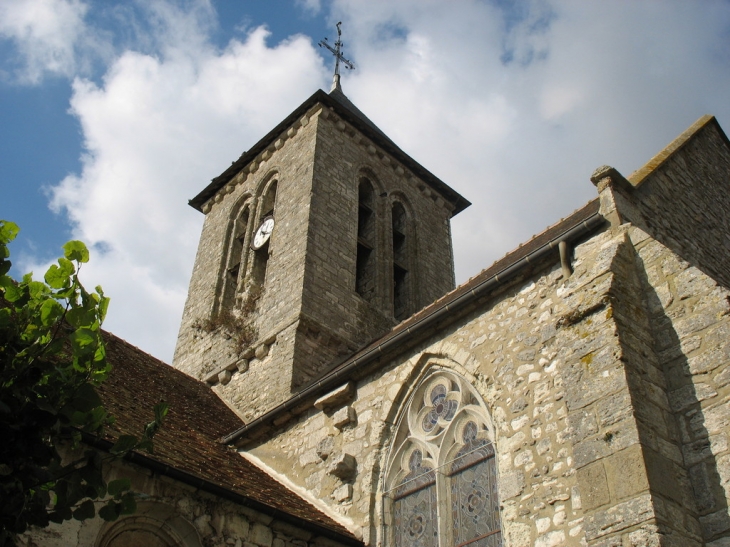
(52, 359)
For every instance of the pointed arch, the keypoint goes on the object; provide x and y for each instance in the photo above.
(441, 480)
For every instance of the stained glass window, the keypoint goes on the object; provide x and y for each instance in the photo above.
(474, 500)
(442, 472)
(414, 506)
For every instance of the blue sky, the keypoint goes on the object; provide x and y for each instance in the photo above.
(113, 114)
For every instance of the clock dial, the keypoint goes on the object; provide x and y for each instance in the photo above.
(263, 233)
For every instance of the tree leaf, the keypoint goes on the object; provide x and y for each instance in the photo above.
(8, 231)
(86, 398)
(118, 486)
(59, 275)
(161, 410)
(5, 318)
(76, 250)
(83, 341)
(51, 311)
(129, 503)
(81, 317)
(124, 444)
(85, 511)
(110, 512)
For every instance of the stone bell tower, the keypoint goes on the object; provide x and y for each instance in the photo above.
(317, 240)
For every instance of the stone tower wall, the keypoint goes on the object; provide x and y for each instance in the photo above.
(336, 320)
(201, 352)
(309, 315)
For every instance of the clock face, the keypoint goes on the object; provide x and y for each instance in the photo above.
(263, 234)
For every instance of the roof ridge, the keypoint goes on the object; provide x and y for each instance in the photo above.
(640, 175)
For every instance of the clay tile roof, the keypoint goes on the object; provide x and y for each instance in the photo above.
(188, 442)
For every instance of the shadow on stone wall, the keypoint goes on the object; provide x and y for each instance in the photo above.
(683, 472)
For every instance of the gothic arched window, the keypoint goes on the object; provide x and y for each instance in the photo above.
(441, 480)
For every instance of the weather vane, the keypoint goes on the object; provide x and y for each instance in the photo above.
(337, 52)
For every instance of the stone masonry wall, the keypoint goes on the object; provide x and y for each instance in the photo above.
(267, 362)
(680, 220)
(545, 358)
(690, 317)
(590, 447)
(309, 314)
(684, 203)
(336, 320)
(177, 512)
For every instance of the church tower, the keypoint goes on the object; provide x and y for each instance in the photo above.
(316, 241)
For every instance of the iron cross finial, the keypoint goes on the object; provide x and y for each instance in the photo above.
(337, 52)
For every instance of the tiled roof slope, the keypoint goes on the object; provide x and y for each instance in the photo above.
(188, 440)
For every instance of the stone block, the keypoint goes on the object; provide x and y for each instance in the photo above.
(344, 416)
(242, 365)
(715, 523)
(619, 517)
(261, 351)
(626, 472)
(337, 397)
(325, 447)
(551, 539)
(224, 377)
(343, 493)
(512, 484)
(343, 466)
(261, 535)
(593, 486)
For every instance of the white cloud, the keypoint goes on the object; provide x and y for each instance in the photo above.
(45, 33)
(311, 6)
(512, 107)
(515, 106)
(156, 131)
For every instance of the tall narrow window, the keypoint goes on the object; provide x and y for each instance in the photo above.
(401, 308)
(235, 267)
(366, 236)
(441, 478)
(261, 255)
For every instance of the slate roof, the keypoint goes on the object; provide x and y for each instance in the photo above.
(187, 447)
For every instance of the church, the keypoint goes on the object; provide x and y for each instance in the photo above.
(331, 386)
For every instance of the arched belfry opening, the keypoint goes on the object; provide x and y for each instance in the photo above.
(365, 269)
(402, 297)
(261, 255)
(235, 267)
(440, 486)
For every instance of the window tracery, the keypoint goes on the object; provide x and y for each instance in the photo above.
(441, 481)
